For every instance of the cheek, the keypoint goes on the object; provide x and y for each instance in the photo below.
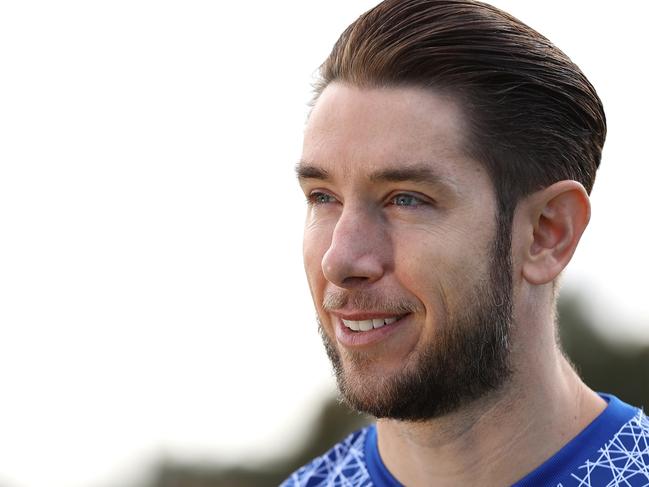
(419, 265)
(426, 254)
(438, 269)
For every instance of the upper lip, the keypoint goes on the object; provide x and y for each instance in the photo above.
(364, 315)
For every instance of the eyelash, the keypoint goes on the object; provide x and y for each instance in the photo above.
(419, 201)
(312, 199)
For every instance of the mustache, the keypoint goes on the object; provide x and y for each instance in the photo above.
(367, 301)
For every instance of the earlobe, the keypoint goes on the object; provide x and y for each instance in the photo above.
(560, 214)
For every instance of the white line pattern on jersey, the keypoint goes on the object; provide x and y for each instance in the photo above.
(623, 461)
(342, 466)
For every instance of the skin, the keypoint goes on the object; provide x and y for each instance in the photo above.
(427, 243)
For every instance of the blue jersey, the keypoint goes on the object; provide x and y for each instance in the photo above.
(612, 451)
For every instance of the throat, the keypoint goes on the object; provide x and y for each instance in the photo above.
(473, 446)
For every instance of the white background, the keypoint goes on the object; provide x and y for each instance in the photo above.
(152, 301)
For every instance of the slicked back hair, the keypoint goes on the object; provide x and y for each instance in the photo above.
(534, 117)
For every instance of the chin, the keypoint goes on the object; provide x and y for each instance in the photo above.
(431, 382)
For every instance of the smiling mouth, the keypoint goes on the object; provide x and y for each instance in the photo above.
(372, 324)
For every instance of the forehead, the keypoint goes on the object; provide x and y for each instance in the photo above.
(352, 130)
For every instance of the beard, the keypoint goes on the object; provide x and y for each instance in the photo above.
(468, 356)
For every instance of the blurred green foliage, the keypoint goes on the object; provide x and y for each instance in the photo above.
(334, 422)
(620, 368)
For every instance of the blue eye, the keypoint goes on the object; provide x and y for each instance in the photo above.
(407, 200)
(318, 198)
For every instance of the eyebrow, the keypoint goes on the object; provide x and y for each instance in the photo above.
(305, 170)
(416, 173)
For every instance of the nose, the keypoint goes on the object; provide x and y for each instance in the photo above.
(359, 250)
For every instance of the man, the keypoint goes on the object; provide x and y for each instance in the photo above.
(447, 164)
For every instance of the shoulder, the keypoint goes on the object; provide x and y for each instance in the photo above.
(343, 464)
(622, 460)
(625, 457)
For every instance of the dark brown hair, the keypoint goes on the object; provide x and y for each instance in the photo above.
(535, 119)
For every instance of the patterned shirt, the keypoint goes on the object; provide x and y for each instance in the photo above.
(612, 451)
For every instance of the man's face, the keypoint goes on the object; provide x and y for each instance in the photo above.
(410, 278)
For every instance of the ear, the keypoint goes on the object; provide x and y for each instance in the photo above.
(559, 215)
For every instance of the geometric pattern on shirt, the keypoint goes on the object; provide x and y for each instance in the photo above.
(342, 466)
(622, 461)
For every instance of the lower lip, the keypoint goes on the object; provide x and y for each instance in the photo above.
(349, 338)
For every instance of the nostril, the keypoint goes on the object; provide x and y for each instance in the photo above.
(353, 272)
(354, 280)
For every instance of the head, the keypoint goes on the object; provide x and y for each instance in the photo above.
(433, 121)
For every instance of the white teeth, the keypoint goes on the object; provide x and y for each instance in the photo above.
(367, 325)
(354, 325)
(378, 322)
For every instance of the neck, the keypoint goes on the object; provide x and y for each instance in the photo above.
(497, 439)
